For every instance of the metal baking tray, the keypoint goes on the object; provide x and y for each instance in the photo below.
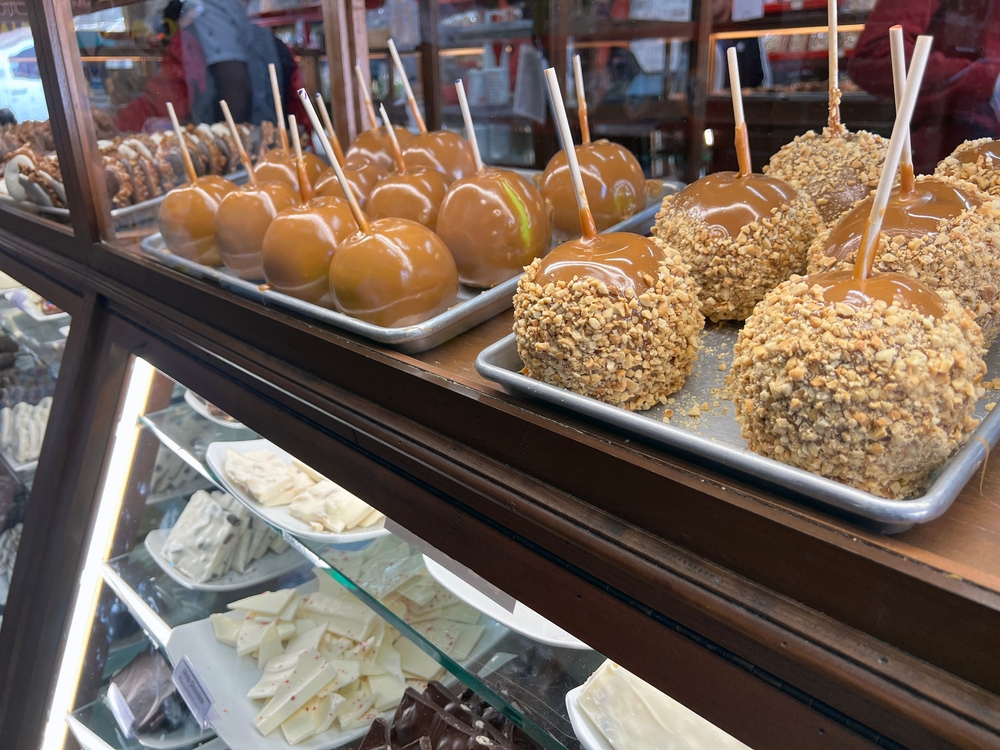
(713, 437)
(474, 305)
(125, 219)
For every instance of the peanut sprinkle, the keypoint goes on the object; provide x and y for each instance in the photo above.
(984, 173)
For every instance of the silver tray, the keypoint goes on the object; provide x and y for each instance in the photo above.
(713, 438)
(125, 219)
(474, 305)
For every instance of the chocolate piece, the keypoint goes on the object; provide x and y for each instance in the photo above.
(424, 743)
(150, 693)
(377, 737)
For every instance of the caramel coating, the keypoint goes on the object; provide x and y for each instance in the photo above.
(373, 145)
(400, 274)
(362, 175)
(873, 395)
(415, 194)
(495, 223)
(276, 167)
(736, 264)
(836, 168)
(612, 178)
(187, 219)
(609, 342)
(977, 162)
(443, 150)
(242, 220)
(300, 244)
(961, 253)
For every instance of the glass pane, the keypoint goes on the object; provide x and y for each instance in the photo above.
(33, 335)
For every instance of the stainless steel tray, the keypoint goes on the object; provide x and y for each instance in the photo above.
(474, 306)
(713, 437)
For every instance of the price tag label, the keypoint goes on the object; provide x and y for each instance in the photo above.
(193, 691)
(120, 710)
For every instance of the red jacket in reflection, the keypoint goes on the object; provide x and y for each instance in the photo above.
(954, 102)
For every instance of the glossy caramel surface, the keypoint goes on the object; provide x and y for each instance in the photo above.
(275, 167)
(841, 286)
(619, 259)
(727, 202)
(495, 223)
(971, 155)
(187, 219)
(242, 220)
(612, 178)
(416, 194)
(374, 146)
(362, 175)
(909, 214)
(447, 152)
(398, 275)
(300, 244)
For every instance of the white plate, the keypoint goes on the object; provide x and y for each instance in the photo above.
(522, 620)
(33, 308)
(229, 676)
(185, 736)
(200, 405)
(264, 569)
(590, 736)
(279, 515)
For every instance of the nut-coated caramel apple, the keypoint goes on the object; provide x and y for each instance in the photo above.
(399, 273)
(187, 219)
(242, 221)
(615, 184)
(447, 152)
(300, 244)
(362, 175)
(374, 145)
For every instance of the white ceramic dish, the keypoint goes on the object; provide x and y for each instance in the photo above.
(200, 405)
(228, 677)
(31, 308)
(264, 569)
(522, 620)
(590, 737)
(279, 515)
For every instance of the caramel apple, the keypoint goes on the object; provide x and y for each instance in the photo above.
(867, 379)
(361, 173)
(610, 316)
(373, 144)
(413, 193)
(391, 272)
(244, 216)
(835, 168)
(494, 222)
(187, 214)
(977, 162)
(741, 233)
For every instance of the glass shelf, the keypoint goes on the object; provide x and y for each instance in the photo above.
(45, 340)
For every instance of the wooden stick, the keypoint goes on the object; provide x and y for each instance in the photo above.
(182, 142)
(244, 159)
(418, 118)
(397, 152)
(279, 110)
(869, 241)
(305, 187)
(359, 217)
(331, 133)
(906, 178)
(463, 102)
(581, 101)
(742, 139)
(586, 217)
(366, 98)
(833, 52)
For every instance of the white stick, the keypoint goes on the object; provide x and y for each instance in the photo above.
(734, 85)
(366, 97)
(279, 110)
(834, 62)
(902, 125)
(421, 125)
(397, 153)
(581, 100)
(567, 139)
(244, 159)
(899, 81)
(328, 124)
(192, 175)
(359, 217)
(463, 102)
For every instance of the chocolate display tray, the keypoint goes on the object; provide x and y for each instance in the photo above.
(713, 437)
(474, 305)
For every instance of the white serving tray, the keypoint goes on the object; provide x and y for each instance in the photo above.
(264, 569)
(199, 404)
(279, 515)
(523, 620)
(589, 735)
(32, 308)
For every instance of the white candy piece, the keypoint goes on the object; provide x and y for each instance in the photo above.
(268, 603)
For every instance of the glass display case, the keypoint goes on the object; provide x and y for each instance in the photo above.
(356, 442)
